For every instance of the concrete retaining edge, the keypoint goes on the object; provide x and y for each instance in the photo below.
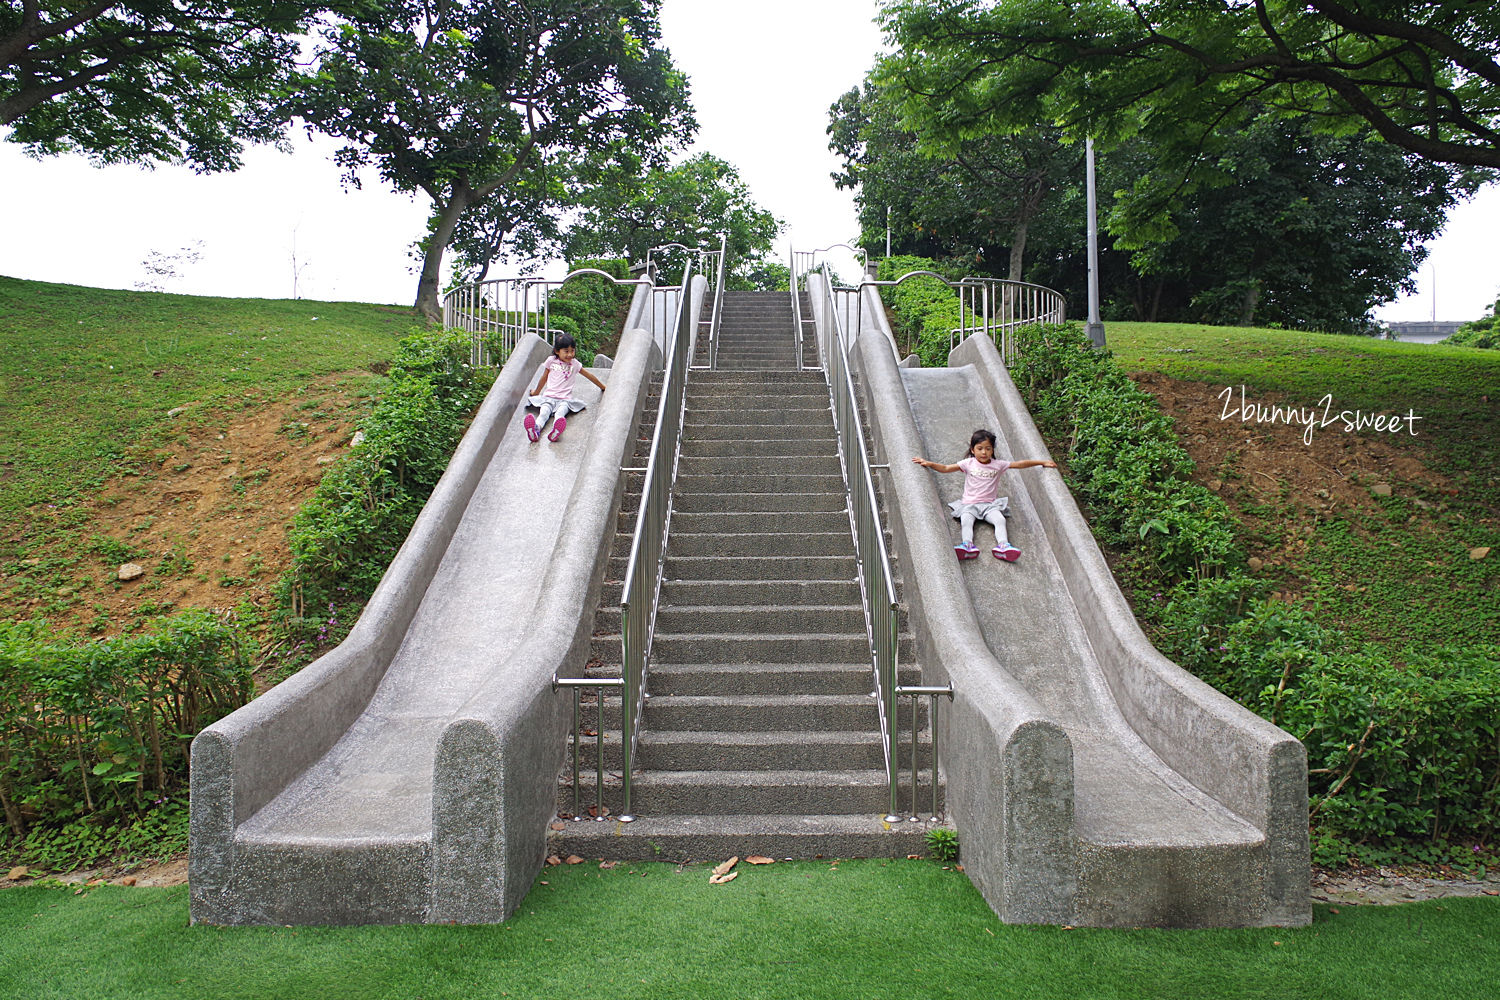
(1251, 766)
(1009, 767)
(495, 773)
(246, 759)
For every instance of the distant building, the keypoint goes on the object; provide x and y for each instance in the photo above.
(1425, 331)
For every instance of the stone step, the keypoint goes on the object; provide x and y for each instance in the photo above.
(715, 838)
(686, 523)
(776, 647)
(796, 483)
(761, 713)
(732, 751)
(760, 568)
(766, 792)
(720, 503)
(763, 423)
(707, 409)
(750, 543)
(786, 446)
(766, 678)
(834, 619)
(724, 593)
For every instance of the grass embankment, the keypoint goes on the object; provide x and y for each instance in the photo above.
(88, 373)
(1395, 570)
(844, 930)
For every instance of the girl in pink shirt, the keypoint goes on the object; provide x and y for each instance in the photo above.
(558, 375)
(981, 500)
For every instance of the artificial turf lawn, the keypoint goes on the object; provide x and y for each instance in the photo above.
(844, 930)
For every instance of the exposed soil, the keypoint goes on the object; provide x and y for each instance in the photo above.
(1279, 480)
(204, 514)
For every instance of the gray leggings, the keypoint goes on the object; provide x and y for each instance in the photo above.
(549, 408)
(995, 517)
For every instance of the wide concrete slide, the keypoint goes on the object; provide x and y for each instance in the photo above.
(408, 775)
(1164, 803)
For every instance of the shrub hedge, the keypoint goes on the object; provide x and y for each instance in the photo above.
(343, 539)
(924, 310)
(101, 728)
(1403, 751)
(590, 308)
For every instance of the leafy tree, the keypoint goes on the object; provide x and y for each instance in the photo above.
(1310, 231)
(973, 197)
(1186, 75)
(626, 212)
(1483, 332)
(142, 81)
(460, 100)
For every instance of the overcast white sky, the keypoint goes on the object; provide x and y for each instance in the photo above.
(762, 79)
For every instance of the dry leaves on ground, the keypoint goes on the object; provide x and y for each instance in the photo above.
(756, 859)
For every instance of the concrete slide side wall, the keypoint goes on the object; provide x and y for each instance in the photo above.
(264, 847)
(1057, 627)
(1009, 767)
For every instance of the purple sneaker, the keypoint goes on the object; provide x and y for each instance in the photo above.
(1007, 552)
(532, 434)
(963, 551)
(558, 426)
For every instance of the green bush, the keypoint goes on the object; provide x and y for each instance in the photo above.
(95, 730)
(924, 310)
(1483, 332)
(343, 539)
(591, 308)
(1124, 459)
(1404, 757)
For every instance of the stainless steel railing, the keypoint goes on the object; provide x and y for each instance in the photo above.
(996, 307)
(711, 263)
(642, 589)
(877, 583)
(578, 685)
(499, 312)
(915, 692)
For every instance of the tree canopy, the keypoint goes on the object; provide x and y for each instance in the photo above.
(143, 81)
(626, 213)
(459, 100)
(974, 197)
(1185, 75)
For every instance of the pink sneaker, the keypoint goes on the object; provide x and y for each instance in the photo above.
(966, 551)
(1009, 553)
(532, 434)
(558, 426)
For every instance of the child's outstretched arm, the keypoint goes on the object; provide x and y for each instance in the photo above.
(541, 383)
(1027, 463)
(935, 466)
(590, 376)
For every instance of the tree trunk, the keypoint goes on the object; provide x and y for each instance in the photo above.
(432, 261)
(1018, 249)
(1249, 302)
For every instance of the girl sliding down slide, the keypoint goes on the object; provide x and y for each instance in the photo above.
(558, 374)
(981, 500)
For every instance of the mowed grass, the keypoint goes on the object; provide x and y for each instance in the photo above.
(851, 929)
(1412, 550)
(87, 373)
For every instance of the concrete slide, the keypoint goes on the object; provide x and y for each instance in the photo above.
(408, 776)
(1123, 791)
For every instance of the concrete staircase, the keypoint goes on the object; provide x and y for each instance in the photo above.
(760, 732)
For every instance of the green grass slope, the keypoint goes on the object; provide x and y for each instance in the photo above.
(85, 372)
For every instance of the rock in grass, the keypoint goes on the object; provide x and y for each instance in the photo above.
(1480, 552)
(130, 571)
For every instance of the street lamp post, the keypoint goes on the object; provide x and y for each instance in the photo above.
(1094, 328)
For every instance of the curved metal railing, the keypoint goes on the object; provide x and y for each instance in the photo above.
(996, 307)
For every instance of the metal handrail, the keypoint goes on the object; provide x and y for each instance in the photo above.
(643, 572)
(716, 286)
(997, 307)
(508, 307)
(599, 684)
(877, 583)
(932, 694)
(810, 257)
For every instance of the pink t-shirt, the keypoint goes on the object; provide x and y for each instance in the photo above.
(981, 480)
(560, 377)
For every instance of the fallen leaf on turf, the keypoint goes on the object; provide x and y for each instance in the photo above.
(721, 879)
(608, 864)
(553, 859)
(958, 868)
(543, 882)
(1492, 892)
(756, 859)
(598, 810)
(1333, 909)
(558, 826)
(19, 872)
(1276, 943)
(914, 857)
(128, 880)
(573, 859)
(726, 866)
